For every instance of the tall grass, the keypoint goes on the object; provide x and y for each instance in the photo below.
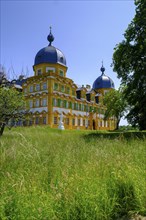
(70, 175)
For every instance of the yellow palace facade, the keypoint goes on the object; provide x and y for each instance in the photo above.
(49, 94)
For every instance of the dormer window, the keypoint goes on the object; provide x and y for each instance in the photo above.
(78, 94)
(39, 72)
(88, 97)
(50, 69)
(61, 59)
(61, 73)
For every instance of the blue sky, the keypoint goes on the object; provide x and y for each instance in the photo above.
(85, 31)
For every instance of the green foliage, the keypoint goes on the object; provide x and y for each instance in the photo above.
(69, 175)
(129, 60)
(115, 104)
(11, 106)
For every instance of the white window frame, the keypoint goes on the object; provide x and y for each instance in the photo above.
(30, 103)
(44, 102)
(31, 88)
(39, 71)
(44, 85)
(37, 87)
(37, 102)
(52, 69)
(44, 120)
(61, 72)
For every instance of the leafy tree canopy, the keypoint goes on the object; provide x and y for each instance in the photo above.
(115, 105)
(11, 106)
(129, 61)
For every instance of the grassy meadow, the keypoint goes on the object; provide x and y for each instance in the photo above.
(48, 174)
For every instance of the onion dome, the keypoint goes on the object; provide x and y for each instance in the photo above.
(50, 54)
(103, 81)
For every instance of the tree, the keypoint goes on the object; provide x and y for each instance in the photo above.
(11, 106)
(115, 105)
(2, 74)
(129, 61)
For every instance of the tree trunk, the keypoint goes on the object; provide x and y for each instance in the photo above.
(117, 125)
(2, 127)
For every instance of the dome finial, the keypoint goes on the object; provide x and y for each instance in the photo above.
(50, 37)
(102, 68)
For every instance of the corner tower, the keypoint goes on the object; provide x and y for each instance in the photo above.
(50, 59)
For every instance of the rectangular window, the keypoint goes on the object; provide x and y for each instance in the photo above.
(55, 86)
(64, 103)
(78, 94)
(50, 69)
(30, 103)
(83, 122)
(90, 109)
(37, 120)
(67, 90)
(97, 99)
(70, 105)
(55, 120)
(75, 106)
(44, 85)
(44, 120)
(37, 102)
(67, 104)
(44, 102)
(61, 73)
(37, 87)
(62, 88)
(30, 122)
(88, 97)
(39, 72)
(31, 89)
(54, 102)
(59, 101)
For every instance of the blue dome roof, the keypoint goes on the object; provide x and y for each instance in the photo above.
(50, 54)
(103, 81)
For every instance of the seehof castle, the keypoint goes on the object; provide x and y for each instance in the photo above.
(51, 95)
